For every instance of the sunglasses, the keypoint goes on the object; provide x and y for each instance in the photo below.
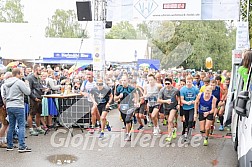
(99, 84)
(168, 83)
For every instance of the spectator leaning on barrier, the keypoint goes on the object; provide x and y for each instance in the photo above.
(13, 91)
(52, 83)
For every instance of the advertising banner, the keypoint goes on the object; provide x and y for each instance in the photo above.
(242, 36)
(167, 10)
(99, 46)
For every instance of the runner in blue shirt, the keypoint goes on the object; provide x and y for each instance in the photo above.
(205, 105)
(188, 95)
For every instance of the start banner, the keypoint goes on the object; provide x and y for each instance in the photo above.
(167, 10)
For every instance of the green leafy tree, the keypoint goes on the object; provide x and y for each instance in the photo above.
(189, 43)
(64, 24)
(11, 11)
(122, 30)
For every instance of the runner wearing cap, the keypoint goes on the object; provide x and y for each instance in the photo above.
(169, 97)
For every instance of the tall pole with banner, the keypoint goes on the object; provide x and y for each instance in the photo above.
(99, 37)
(99, 42)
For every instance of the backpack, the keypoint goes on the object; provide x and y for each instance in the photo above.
(85, 83)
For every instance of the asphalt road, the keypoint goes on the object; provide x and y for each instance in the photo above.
(143, 151)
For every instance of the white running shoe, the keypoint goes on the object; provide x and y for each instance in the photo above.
(155, 131)
(148, 119)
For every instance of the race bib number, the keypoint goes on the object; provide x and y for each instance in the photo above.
(124, 107)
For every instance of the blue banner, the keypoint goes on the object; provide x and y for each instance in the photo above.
(82, 56)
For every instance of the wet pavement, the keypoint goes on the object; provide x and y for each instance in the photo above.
(58, 148)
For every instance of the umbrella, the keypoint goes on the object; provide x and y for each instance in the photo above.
(144, 65)
(2, 66)
(153, 67)
(77, 67)
(16, 64)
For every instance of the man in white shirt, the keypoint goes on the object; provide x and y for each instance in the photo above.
(85, 89)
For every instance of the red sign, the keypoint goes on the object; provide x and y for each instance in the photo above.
(174, 5)
(238, 55)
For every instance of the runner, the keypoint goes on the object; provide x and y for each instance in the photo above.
(126, 107)
(188, 95)
(140, 111)
(196, 81)
(160, 80)
(181, 112)
(151, 91)
(220, 105)
(202, 76)
(205, 104)
(169, 97)
(85, 89)
(206, 81)
(101, 97)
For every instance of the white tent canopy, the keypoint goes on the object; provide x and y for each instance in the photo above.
(25, 41)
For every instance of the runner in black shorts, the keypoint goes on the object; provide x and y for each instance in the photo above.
(151, 91)
(169, 97)
(188, 94)
(140, 111)
(205, 104)
(181, 111)
(125, 94)
(101, 97)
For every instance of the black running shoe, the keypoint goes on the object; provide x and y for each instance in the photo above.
(23, 150)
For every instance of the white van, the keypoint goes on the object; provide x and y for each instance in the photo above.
(239, 112)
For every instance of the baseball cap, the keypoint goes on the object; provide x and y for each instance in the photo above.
(90, 73)
(167, 80)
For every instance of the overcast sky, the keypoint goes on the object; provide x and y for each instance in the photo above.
(38, 12)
